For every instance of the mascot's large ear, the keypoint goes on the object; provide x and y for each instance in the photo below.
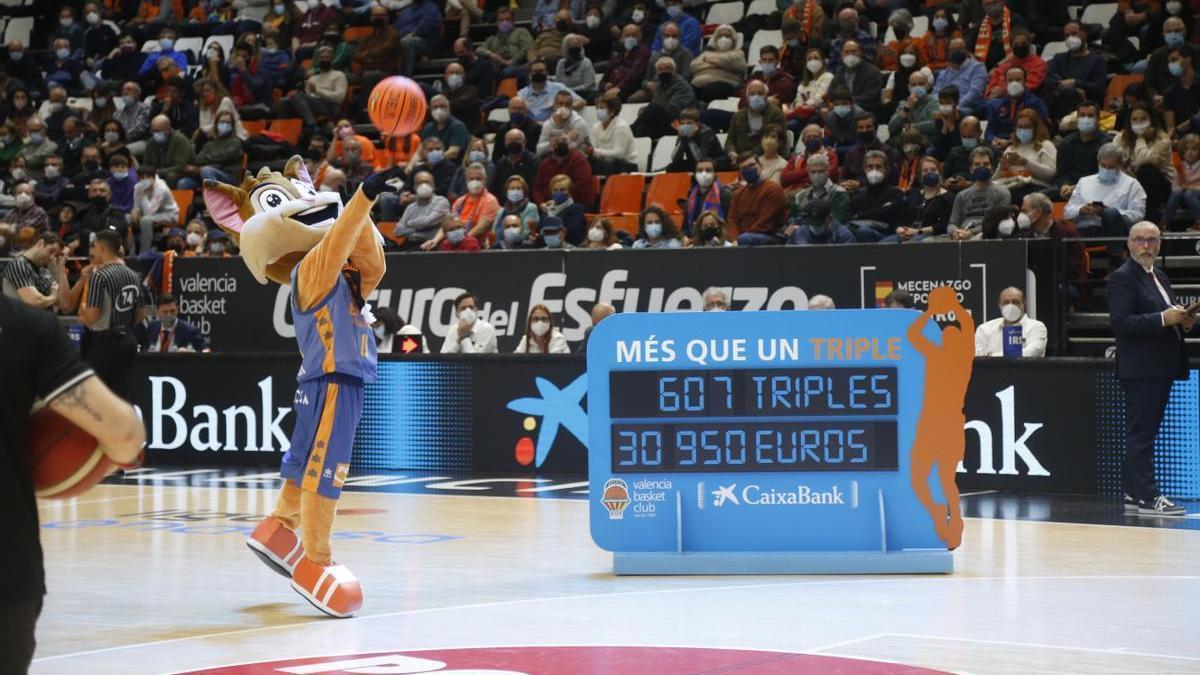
(295, 168)
(224, 204)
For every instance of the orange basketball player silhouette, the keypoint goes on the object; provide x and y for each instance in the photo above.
(941, 438)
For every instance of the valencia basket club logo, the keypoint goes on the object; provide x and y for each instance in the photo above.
(615, 498)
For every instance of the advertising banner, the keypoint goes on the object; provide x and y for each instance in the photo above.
(238, 314)
(1049, 425)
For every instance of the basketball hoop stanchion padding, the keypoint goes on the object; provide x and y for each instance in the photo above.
(762, 443)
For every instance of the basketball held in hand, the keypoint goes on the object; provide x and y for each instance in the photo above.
(397, 106)
(65, 460)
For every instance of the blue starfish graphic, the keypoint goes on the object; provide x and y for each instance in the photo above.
(557, 407)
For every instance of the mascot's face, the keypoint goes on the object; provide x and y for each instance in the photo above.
(274, 218)
(943, 302)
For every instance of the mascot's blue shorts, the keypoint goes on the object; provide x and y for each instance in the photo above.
(327, 412)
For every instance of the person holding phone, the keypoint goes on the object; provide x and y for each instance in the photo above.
(1149, 328)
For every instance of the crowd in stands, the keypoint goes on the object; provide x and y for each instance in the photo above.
(864, 121)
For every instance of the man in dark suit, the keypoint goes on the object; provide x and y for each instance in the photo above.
(169, 333)
(1149, 328)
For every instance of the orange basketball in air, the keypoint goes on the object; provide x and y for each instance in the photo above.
(65, 461)
(397, 106)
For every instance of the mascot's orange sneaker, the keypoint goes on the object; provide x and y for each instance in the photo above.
(276, 545)
(333, 589)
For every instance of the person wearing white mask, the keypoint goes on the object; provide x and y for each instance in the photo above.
(859, 75)
(153, 207)
(610, 142)
(708, 194)
(1002, 112)
(1029, 341)
(37, 146)
(1075, 75)
(627, 68)
(424, 213)
(196, 238)
(810, 100)
(821, 186)
(468, 333)
(476, 209)
(720, 70)
(563, 121)
(541, 335)
(670, 47)
(25, 212)
(445, 127)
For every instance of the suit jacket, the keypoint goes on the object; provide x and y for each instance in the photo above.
(1145, 349)
(186, 335)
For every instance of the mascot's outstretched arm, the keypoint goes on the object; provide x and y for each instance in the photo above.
(352, 237)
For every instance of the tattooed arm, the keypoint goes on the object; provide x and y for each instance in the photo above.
(101, 413)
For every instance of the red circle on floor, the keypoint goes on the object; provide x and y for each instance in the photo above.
(576, 661)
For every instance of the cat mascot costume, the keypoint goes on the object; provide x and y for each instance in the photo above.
(332, 257)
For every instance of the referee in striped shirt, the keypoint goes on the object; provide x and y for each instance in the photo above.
(37, 276)
(115, 302)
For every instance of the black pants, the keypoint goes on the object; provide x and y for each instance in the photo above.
(17, 639)
(1145, 403)
(111, 356)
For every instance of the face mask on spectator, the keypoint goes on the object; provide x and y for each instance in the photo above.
(1024, 221)
(515, 148)
(160, 137)
(812, 144)
(1012, 312)
(970, 143)
(630, 43)
(538, 78)
(194, 239)
(602, 114)
(1107, 176)
(1173, 38)
(435, 157)
(1139, 128)
(516, 195)
(981, 174)
(946, 108)
(665, 78)
(1174, 7)
(842, 110)
(224, 128)
(477, 156)
(454, 80)
(456, 236)
(55, 106)
(750, 174)
(1085, 124)
(166, 44)
(560, 196)
(940, 24)
(704, 178)
(592, 21)
(1015, 88)
(512, 234)
(540, 326)
(475, 186)
(958, 58)
(505, 26)
(596, 234)
(1024, 135)
(908, 60)
(757, 102)
(819, 179)
(216, 248)
(724, 43)
(24, 201)
(441, 114)
(467, 314)
(37, 137)
(128, 100)
(931, 179)
(687, 129)
(552, 240)
(1005, 228)
(875, 177)
(852, 61)
(66, 22)
(1073, 42)
(919, 91)
(815, 65)
(561, 149)
(279, 9)
(16, 56)
(424, 190)
(1175, 68)
(1021, 50)
(637, 16)
(653, 230)
(768, 69)
(867, 136)
(670, 44)
(62, 54)
(17, 173)
(794, 43)
(120, 175)
(52, 171)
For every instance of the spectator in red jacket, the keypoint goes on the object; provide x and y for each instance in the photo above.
(571, 163)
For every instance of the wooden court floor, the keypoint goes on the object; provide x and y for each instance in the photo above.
(156, 579)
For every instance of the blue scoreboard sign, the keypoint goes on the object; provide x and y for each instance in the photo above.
(763, 442)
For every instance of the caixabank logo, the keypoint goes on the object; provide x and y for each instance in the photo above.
(752, 495)
(971, 287)
(553, 420)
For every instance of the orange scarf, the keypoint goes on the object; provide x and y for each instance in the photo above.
(984, 41)
(807, 20)
(909, 173)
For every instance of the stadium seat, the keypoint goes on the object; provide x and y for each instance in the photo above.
(641, 149)
(662, 153)
(288, 127)
(624, 222)
(254, 127)
(622, 193)
(727, 104)
(666, 189)
(1099, 14)
(1058, 210)
(149, 46)
(728, 177)
(1053, 48)
(629, 111)
(193, 46)
(724, 12)
(761, 39)
(507, 87)
(761, 7)
(589, 115)
(1116, 88)
(183, 199)
(498, 115)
